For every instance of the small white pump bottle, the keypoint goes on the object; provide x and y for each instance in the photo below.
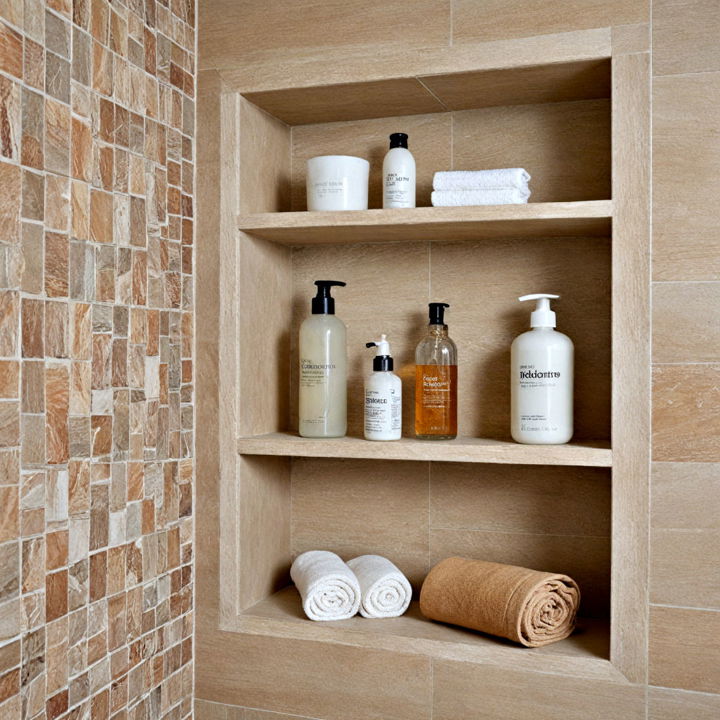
(541, 380)
(399, 174)
(383, 396)
(323, 368)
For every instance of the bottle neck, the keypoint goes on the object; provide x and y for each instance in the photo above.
(438, 330)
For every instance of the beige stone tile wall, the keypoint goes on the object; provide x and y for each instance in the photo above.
(96, 358)
(684, 606)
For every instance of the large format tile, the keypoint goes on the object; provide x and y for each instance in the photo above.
(234, 32)
(357, 507)
(684, 568)
(685, 325)
(686, 412)
(564, 146)
(666, 704)
(684, 651)
(685, 496)
(494, 19)
(686, 155)
(685, 36)
(319, 680)
(520, 498)
(482, 692)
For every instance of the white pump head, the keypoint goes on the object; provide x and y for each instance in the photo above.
(382, 345)
(542, 315)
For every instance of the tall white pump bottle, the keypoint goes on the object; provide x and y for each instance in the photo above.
(541, 380)
(399, 174)
(323, 368)
(383, 396)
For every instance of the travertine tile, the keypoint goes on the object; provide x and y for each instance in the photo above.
(57, 392)
(483, 692)
(57, 137)
(684, 36)
(9, 207)
(683, 650)
(686, 412)
(33, 115)
(9, 379)
(11, 59)
(32, 254)
(57, 249)
(57, 203)
(686, 152)
(33, 196)
(666, 704)
(10, 116)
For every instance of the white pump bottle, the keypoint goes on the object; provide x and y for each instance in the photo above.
(383, 396)
(541, 380)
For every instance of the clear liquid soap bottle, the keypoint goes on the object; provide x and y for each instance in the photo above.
(323, 368)
(436, 380)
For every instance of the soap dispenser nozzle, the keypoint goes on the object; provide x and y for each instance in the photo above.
(542, 315)
(437, 313)
(382, 360)
(323, 303)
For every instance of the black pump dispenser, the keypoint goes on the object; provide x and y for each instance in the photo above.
(323, 303)
(398, 140)
(437, 313)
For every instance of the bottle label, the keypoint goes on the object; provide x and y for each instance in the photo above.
(383, 411)
(436, 399)
(543, 400)
(397, 190)
(314, 374)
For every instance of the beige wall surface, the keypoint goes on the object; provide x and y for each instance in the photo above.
(684, 609)
(97, 107)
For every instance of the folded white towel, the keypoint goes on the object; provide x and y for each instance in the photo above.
(497, 196)
(480, 179)
(328, 587)
(386, 592)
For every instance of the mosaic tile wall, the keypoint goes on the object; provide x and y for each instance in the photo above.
(96, 339)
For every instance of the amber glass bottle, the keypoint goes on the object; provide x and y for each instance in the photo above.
(436, 380)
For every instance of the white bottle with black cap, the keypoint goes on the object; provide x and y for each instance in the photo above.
(322, 408)
(399, 174)
(541, 382)
(383, 396)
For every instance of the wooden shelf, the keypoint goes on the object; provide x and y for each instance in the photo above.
(591, 218)
(468, 450)
(585, 653)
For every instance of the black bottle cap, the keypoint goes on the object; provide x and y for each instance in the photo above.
(437, 313)
(323, 303)
(398, 140)
(381, 363)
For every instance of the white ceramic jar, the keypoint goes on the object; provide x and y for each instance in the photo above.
(337, 182)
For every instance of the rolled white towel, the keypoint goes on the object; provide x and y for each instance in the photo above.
(328, 587)
(386, 592)
(497, 196)
(480, 179)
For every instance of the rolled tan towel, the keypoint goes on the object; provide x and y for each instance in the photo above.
(528, 606)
